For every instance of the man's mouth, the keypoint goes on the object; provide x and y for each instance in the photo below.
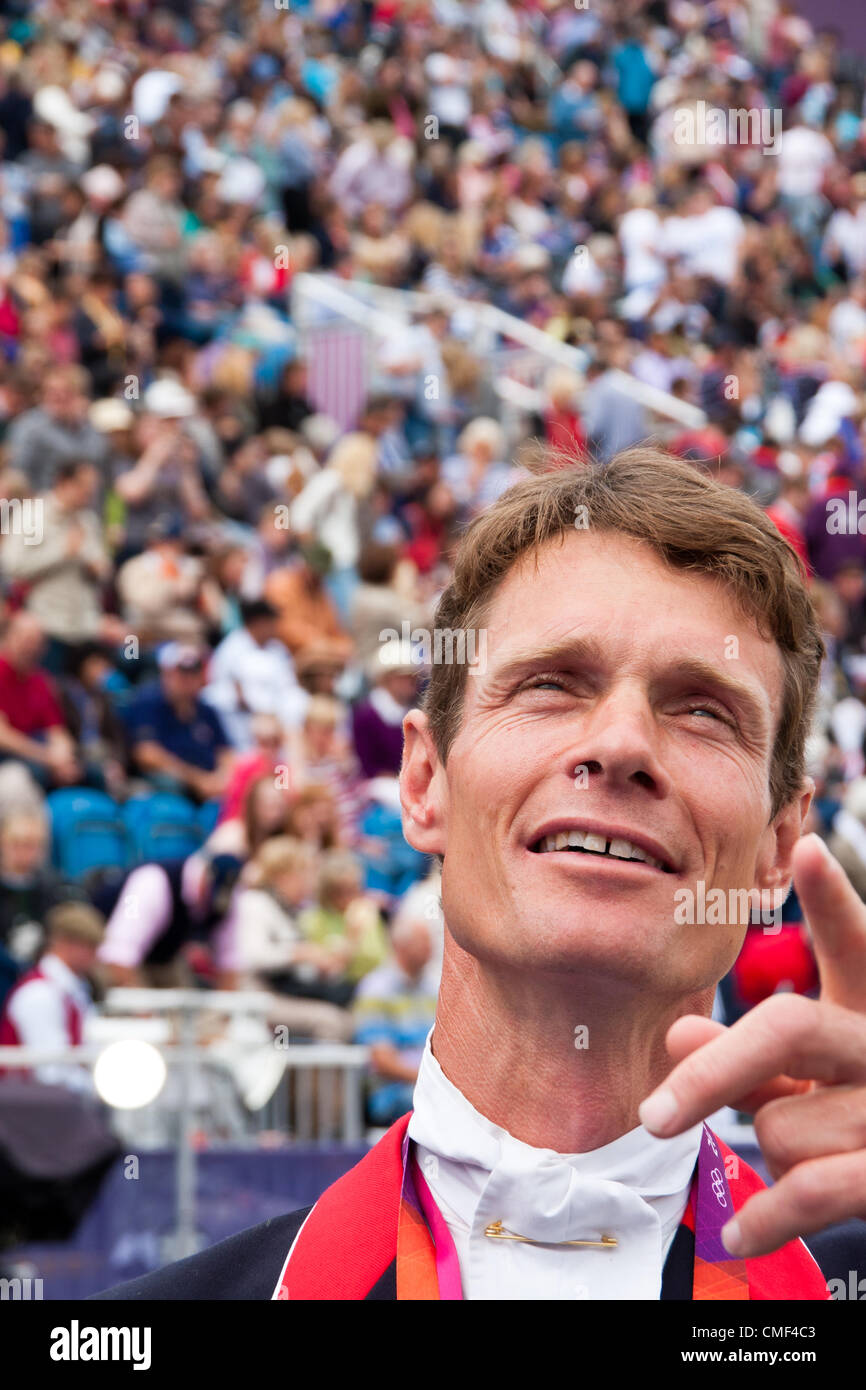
(591, 842)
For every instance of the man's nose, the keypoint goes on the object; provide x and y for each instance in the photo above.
(619, 744)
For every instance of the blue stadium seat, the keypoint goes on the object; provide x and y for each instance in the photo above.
(87, 832)
(400, 866)
(161, 827)
(208, 814)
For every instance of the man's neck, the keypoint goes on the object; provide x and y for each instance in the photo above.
(556, 1062)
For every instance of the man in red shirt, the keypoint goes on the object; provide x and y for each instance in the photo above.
(32, 728)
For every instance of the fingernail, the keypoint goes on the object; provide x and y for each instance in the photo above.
(732, 1238)
(659, 1111)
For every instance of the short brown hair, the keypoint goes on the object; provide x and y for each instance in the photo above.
(690, 521)
(75, 921)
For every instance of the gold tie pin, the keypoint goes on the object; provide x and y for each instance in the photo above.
(496, 1231)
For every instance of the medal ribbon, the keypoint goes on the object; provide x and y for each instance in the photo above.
(427, 1265)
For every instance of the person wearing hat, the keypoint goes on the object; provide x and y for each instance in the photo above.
(165, 478)
(377, 722)
(174, 736)
(49, 1005)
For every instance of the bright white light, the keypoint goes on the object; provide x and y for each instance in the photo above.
(129, 1074)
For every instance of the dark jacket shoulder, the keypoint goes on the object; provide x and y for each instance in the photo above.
(246, 1266)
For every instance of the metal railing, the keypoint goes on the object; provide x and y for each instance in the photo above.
(319, 1070)
(516, 355)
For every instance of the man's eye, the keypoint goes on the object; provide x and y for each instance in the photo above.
(550, 682)
(711, 710)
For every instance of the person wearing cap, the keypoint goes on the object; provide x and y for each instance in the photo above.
(50, 1004)
(175, 738)
(377, 721)
(56, 430)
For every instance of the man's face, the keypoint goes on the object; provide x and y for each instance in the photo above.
(61, 400)
(182, 684)
(25, 643)
(632, 701)
(82, 489)
(23, 845)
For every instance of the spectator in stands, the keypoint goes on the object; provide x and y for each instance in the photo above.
(270, 550)
(250, 673)
(272, 753)
(175, 738)
(314, 817)
(264, 813)
(333, 510)
(49, 1005)
(394, 1008)
(325, 757)
(307, 615)
(32, 726)
(161, 910)
(789, 507)
(612, 418)
(163, 590)
(272, 949)
(153, 221)
(345, 921)
(66, 568)
(478, 473)
(163, 484)
(378, 603)
(377, 722)
(285, 406)
(93, 693)
(29, 887)
(56, 431)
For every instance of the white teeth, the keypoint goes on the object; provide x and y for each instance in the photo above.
(623, 849)
(597, 844)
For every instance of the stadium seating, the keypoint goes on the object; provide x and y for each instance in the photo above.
(87, 832)
(160, 827)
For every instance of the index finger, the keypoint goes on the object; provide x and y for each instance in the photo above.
(786, 1034)
(837, 921)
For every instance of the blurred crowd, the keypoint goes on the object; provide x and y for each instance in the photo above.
(199, 734)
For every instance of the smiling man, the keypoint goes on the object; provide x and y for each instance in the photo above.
(638, 729)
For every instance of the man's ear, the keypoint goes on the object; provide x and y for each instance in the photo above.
(422, 786)
(783, 832)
